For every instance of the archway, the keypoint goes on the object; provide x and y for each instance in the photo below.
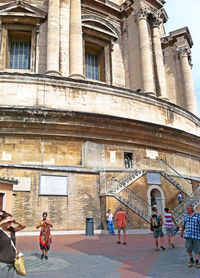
(156, 197)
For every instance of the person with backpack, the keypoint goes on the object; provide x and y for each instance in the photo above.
(156, 227)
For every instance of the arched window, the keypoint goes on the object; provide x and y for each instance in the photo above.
(98, 35)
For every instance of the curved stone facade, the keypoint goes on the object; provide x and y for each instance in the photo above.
(89, 106)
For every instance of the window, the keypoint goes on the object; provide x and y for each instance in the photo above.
(53, 185)
(91, 66)
(19, 53)
(128, 160)
(18, 48)
(94, 62)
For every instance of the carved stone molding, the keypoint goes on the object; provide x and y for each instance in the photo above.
(155, 19)
(184, 51)
(141, 13)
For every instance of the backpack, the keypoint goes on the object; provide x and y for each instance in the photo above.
(155, 220)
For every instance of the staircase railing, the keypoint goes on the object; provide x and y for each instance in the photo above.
(149, 164)
(179, 211)
(133, 201)
(163, 166)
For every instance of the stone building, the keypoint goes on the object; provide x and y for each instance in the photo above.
(97, 111)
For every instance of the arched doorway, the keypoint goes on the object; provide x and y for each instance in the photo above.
(156, 197)
(156, 200)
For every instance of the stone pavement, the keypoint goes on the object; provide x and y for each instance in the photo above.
(80, 256)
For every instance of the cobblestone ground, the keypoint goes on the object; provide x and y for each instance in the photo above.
(78, 256)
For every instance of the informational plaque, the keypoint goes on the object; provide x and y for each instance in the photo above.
(153, 178)
(53, 185)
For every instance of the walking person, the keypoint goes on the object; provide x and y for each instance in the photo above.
(191, 230)
(169, 226)
(110, 224)
(180, 197)
(8, 228)
(45, 238)
(121, 218)
(156, 227)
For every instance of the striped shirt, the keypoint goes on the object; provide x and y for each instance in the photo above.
(168, 220)
(192, 226)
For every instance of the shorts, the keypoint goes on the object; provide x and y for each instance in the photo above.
(170, 231)
(192, 245)
(123, 229)
(157, 232)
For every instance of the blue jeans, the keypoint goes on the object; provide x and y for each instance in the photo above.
(110, 227)
(6, 270)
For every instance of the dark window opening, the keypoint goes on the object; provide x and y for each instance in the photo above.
(128, 160)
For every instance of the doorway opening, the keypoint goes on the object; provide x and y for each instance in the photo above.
(157, 200)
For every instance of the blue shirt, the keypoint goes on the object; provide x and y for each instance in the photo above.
(192, 226)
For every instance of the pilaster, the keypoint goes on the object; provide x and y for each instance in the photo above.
(158, 56)
(189, 92)
(53, 44)
(76, 41)
(145, 52)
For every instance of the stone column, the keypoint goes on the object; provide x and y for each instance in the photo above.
(189, 92)
(145, 52)
(158, 58)
(53, 38)
(76, 41)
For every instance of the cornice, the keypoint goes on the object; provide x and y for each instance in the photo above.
(102, 88)
(58, 124)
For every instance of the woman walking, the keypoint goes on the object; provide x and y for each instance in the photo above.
(45, 235)
(7, 238)
(169, 225)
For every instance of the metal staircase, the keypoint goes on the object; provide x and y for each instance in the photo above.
(179, 211)
(118, 186)
(145, 165)
(124, 179)
(132, 200)
(175, 183)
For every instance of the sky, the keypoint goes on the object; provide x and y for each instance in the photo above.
(184, 13)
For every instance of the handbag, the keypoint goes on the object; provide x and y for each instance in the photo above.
(19, 262)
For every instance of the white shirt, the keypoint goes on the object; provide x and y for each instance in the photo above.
(109, 217)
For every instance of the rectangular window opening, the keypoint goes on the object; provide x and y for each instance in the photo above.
(128, 160)
(94, 62)
(19, 52)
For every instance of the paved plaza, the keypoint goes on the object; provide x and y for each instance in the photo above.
(80, 256)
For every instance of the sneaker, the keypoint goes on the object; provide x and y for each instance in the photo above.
(197, 265)
(190, 264)
(124, 243)
(162, 247)
(42, 257)
(118, 242)
(46, 258)
(172, 245)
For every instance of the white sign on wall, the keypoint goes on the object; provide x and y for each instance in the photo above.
(6, 156)
(24, 184)
(112, 156)
(151, 153)
(53, 185)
